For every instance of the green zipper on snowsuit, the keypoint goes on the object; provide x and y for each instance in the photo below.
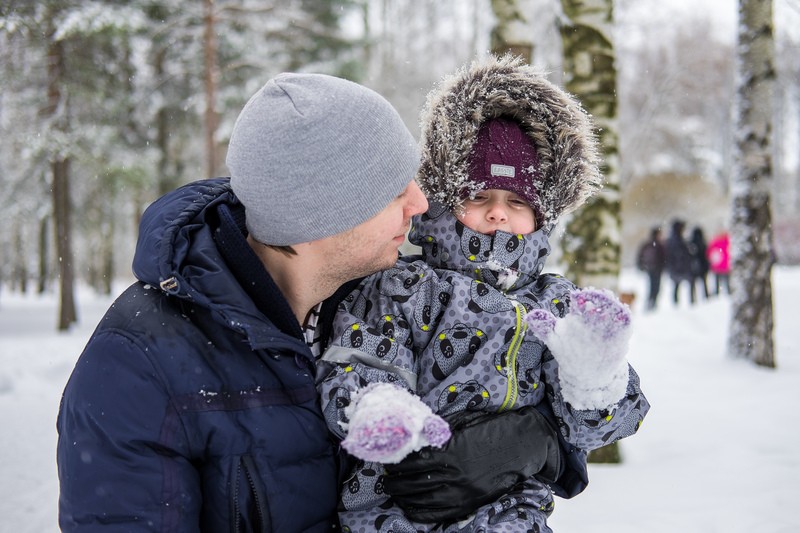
(511, 358)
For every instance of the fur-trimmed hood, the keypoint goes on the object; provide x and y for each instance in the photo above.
(560, 129)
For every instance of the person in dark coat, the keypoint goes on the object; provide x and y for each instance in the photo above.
(700, 264)
(193, 406)
(652, 259)
(679, 261)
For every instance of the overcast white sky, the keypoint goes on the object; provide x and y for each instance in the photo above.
(721, 14)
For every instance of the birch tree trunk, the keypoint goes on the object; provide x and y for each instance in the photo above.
(750, 333)
(511, 34)
(592, 240)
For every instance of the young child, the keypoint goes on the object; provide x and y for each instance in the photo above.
(473, 324)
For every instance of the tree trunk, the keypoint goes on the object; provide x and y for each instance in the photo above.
(59, 166)
(592, 241)
(44, 255)
(165, 179)
(67, 314)
(511, 34)
(107, 254)
(750, 333)
(210, 83)
(20, 260)
(367, 50)
(387, 43)
(592, 251)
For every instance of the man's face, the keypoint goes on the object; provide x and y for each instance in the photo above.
(373, 245)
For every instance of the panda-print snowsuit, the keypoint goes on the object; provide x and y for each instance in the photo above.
(448, 326)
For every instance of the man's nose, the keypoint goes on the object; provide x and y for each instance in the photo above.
(417, 203)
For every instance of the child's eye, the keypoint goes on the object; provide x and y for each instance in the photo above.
(518, 202)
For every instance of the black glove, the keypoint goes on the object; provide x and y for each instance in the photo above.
(487, 455)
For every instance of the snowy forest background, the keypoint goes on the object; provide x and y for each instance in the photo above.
(106, 104)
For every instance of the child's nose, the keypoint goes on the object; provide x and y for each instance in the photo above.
(497, 213)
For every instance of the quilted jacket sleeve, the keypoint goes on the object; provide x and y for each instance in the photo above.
(376, 333)
(589, 429)
(115, 471)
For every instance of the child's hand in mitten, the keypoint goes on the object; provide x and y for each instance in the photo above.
(589, 344)
(387, 423)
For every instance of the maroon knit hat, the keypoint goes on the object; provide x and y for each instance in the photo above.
(504, 157)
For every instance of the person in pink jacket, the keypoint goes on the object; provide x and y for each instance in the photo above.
(719, 260)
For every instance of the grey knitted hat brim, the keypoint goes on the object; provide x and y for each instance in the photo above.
(313, 155)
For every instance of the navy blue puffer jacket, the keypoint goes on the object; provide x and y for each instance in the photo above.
(193, 407)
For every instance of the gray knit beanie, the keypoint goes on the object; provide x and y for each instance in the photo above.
(313, 155)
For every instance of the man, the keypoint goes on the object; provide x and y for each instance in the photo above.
(679, 261)
(651, 259)
(193, 406)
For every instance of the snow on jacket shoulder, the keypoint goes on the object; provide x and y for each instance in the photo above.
(189, 410)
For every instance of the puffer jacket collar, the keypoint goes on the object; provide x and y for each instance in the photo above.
(177, 252)
(504, 260)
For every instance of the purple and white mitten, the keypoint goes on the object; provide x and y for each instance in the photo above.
(590, 345)
(387, 423)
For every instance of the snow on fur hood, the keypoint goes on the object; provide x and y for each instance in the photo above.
(506, 87)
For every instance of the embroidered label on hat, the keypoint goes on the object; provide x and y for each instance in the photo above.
(503, 170)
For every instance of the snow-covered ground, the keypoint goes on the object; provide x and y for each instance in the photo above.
(717, 453)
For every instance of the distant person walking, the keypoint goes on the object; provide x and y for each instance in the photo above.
(679, 260)
(719, 261)
(700, 265)
(652, 259)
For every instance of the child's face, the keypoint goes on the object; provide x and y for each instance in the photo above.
(496, 209)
